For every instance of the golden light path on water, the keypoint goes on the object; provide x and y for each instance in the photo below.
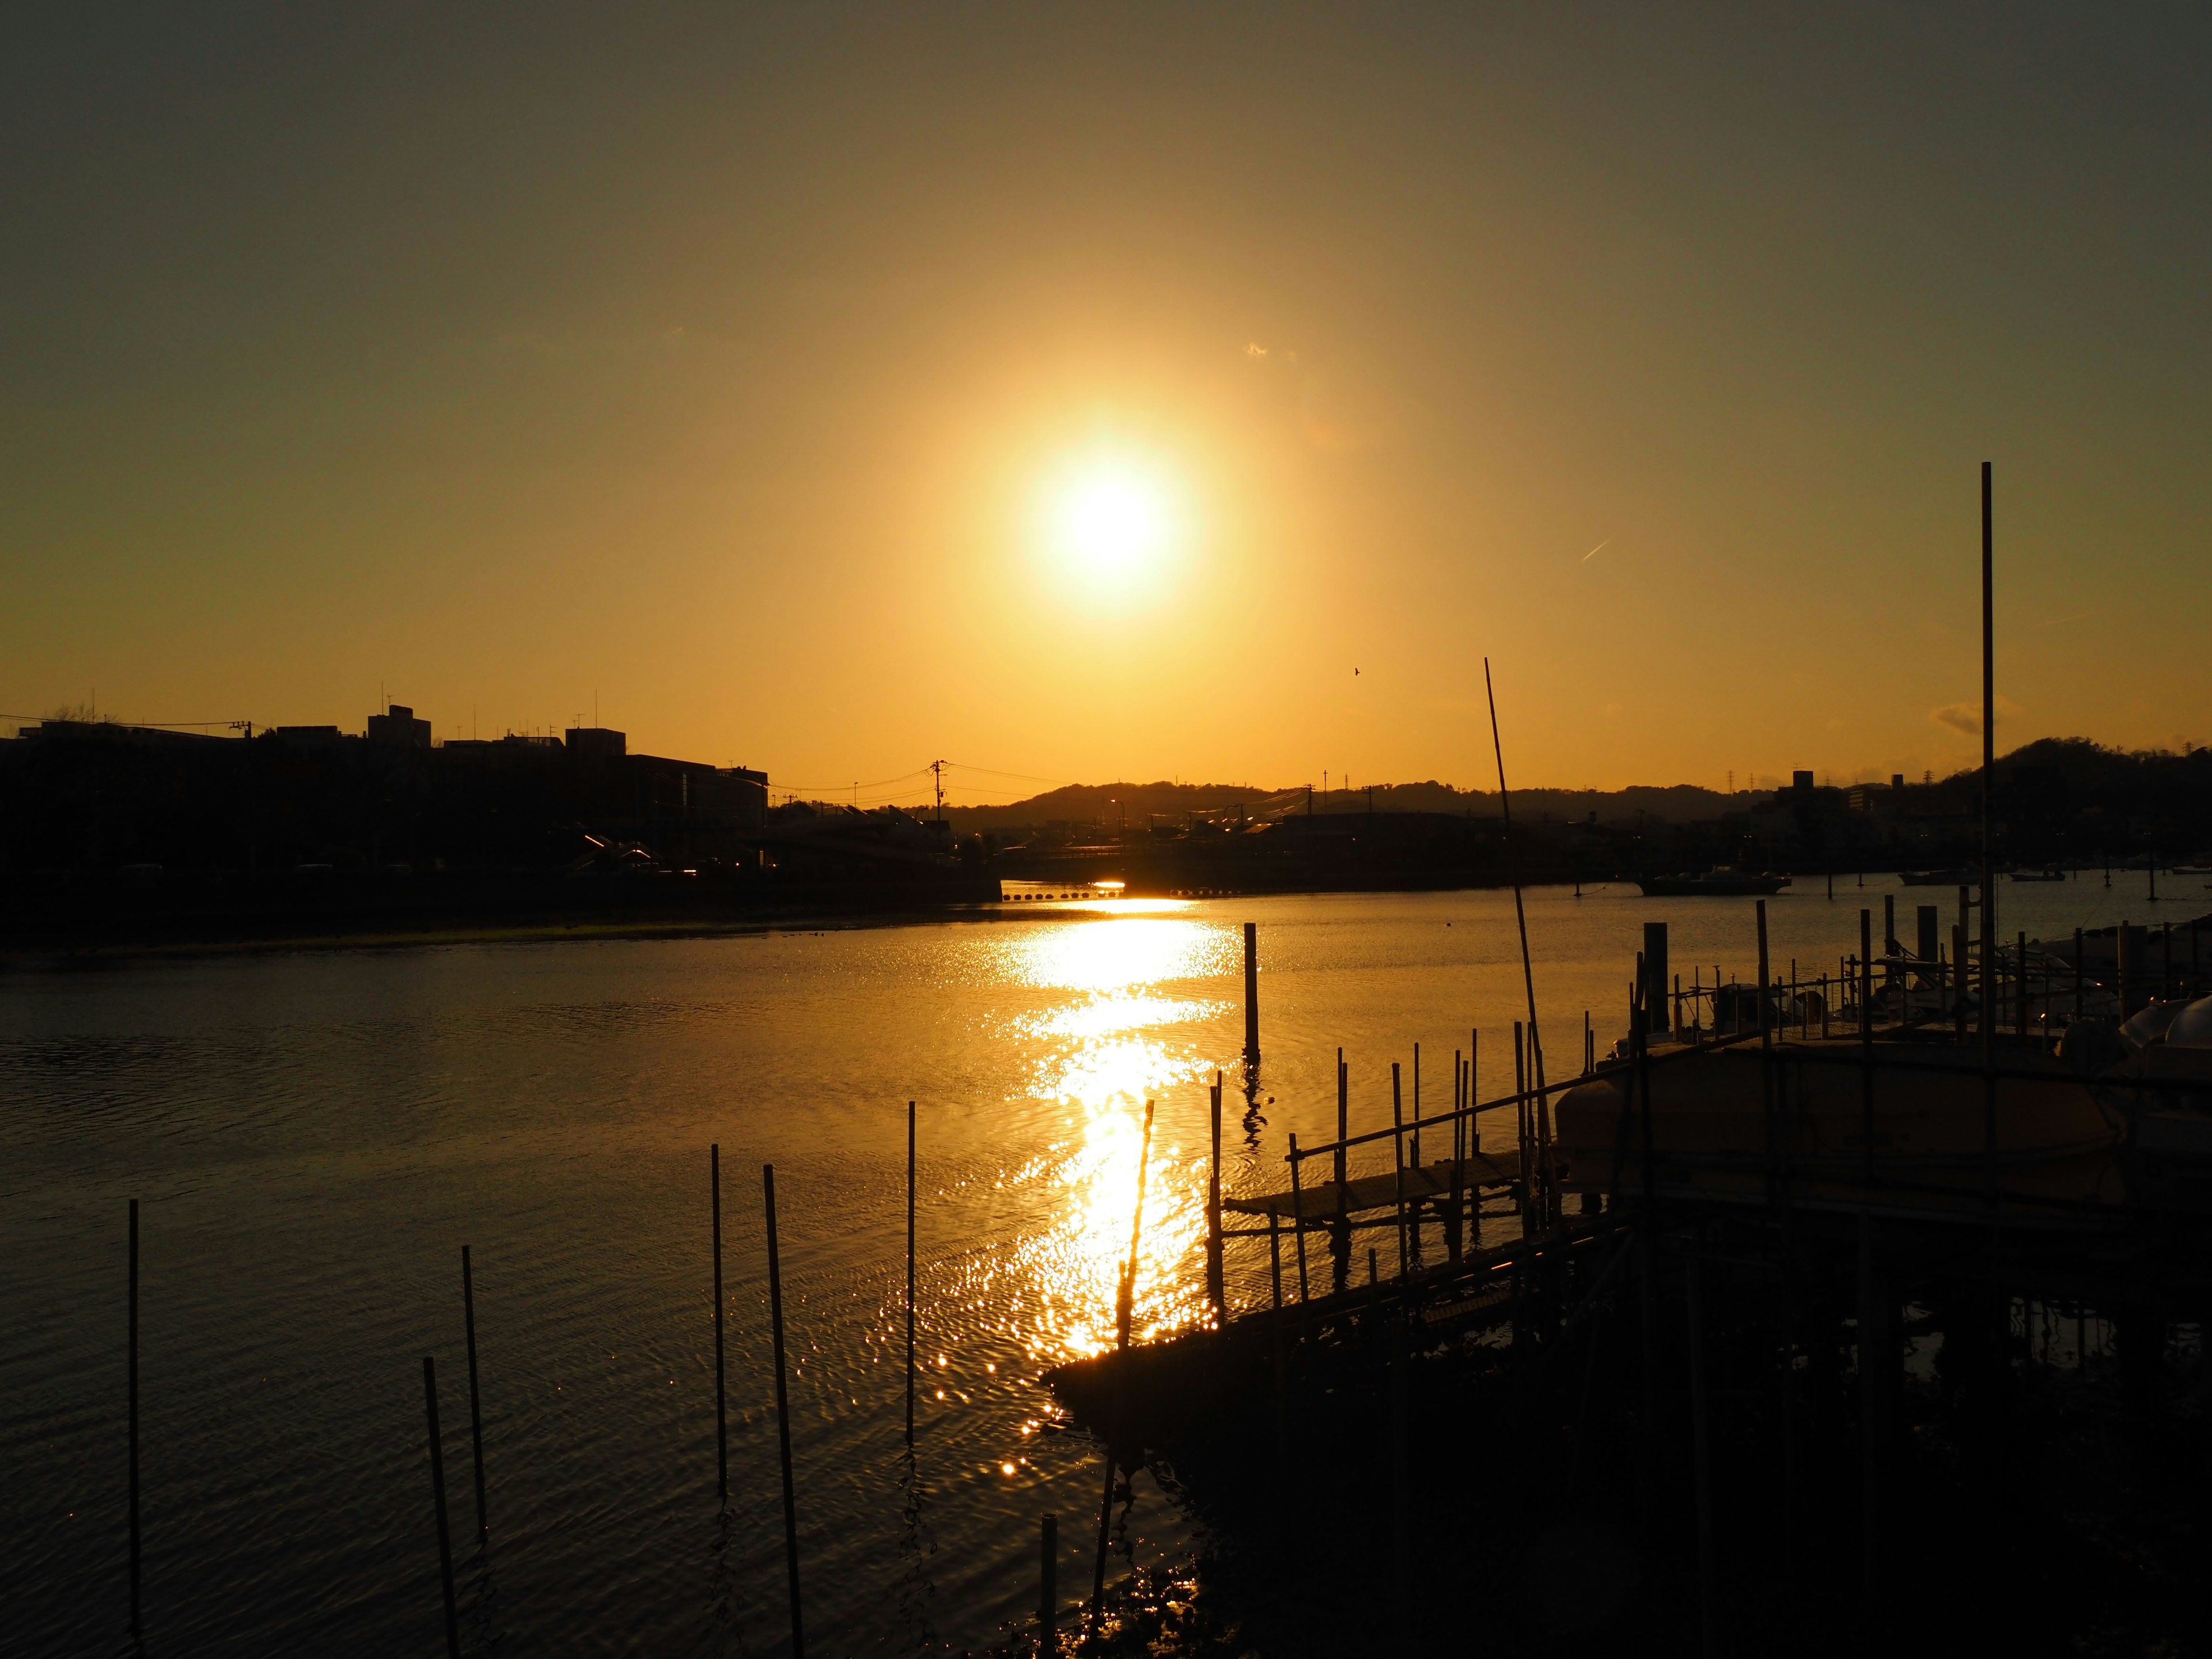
(1118, 1041)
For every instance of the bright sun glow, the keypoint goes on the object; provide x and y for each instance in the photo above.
(1111, 518)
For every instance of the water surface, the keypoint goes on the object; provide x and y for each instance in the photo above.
(315, 1135)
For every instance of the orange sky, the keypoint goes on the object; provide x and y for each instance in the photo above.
(714, 368)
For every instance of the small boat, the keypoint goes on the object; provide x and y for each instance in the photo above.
(1958, 877)
(2039, 875)
(1721, 883)
(1716, 1132)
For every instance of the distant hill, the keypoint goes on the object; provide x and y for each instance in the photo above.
(2060, 795)
(1112, 804)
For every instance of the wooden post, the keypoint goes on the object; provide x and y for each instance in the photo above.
(1460, 1101)
(1398, 1161)
(1766, 1065)
(721, 1381)
(1766, 1026)
(1049, 1588)
(1866, 1046)
(1416, 1074)
(783, 1414)
(475, 1398)
(1276, 1258)
(1656, 979)
(1340, 1237)
(438, 1496)
(1298, 1217)
(132, 1391)
(1214, 1288)
(1521, 1114)
(1251, 994)
(2120, 975)
(1959, 982)
(2022, 948)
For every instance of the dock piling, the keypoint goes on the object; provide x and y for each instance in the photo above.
(1397, 1163)
(1866, 1045)
(1251, 994)
(1340, 1226)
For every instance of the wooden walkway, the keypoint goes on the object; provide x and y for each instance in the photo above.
(1326, 1200)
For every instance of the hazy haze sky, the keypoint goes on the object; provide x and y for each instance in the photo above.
(714, 362)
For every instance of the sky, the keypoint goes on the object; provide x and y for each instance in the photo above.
(1097, 393)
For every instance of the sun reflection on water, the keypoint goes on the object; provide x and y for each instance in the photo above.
(1119, 1041)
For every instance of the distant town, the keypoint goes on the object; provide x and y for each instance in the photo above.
(110, 831)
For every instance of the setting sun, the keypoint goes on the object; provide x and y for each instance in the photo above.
(1110, 520)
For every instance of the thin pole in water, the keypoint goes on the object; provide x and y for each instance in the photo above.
(133, 1391)
(1398, 1159)
(1251, 994)
(910, 1284)
(1866, 1046)
(475, 1398)
(438, 1494)
(783, 1414)
(722, 1385)
(1520, 914)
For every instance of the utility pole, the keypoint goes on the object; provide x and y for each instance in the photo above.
(937, 769)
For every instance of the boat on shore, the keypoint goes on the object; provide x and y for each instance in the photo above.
(1956, 878)
(2039, 875)
(1721, 883)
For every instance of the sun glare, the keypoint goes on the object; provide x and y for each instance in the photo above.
(1111, 520)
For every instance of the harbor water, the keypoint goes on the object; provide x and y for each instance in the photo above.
(314, 1136)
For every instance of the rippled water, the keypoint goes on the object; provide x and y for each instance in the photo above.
(314, 1137)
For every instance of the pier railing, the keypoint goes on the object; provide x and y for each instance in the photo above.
(1900, 1007)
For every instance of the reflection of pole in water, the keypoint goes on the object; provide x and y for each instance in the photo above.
(438, 1497)
(909, 1281)
(476, 1403)
(915, 1589)
(1124, 1316)
(1255, 1121)
(721, 1391)
(783, 1415)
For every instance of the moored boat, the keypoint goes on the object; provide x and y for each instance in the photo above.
(1723, 883)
